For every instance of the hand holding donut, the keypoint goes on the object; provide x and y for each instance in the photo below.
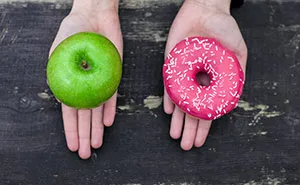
(204, 38)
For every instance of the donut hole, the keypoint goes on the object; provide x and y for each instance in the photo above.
(203, 78)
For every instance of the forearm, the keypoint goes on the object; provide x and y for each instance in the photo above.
(94, 5)
(223, 5)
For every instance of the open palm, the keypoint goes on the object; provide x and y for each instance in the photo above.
(84, 128)
(196, 19)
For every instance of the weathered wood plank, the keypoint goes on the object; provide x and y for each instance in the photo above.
(256, 144)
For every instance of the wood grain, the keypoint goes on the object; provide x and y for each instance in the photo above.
(241, 149)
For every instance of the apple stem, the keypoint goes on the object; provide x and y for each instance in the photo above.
(84, 65)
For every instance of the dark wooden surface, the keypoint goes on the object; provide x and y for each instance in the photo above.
(258, 143)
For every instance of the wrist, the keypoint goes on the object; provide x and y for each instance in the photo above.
(220, 5)
(94, 6)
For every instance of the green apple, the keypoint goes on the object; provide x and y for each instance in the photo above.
(84, 70)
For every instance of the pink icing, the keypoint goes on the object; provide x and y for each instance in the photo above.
(198, 54)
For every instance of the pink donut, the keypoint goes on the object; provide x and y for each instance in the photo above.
(198, 54)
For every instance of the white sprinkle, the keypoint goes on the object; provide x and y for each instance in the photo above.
(205, 46)
(183, 96)
(199, 42)
(232, 74)
(235, 85)
(220, 108)
(223, 52)
(209, 115)
(209, 100)
(169, 77)
(204, 98)
(179, 51)
(233, 94)
(188, 109)
(222, 95)
(199, 90)
(205, 67)
(230, 58)
(217, 49)
(169, 70)
(177, 80)
(196, 48)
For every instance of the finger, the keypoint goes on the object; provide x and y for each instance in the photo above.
(97, 127)
(176, 123)
(168, 104)
(109, 111)
(84, 130)
(70, 126)
(189, 133)
(202, 132)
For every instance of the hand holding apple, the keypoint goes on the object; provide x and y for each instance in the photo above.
(84, 127)
(84, 70)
